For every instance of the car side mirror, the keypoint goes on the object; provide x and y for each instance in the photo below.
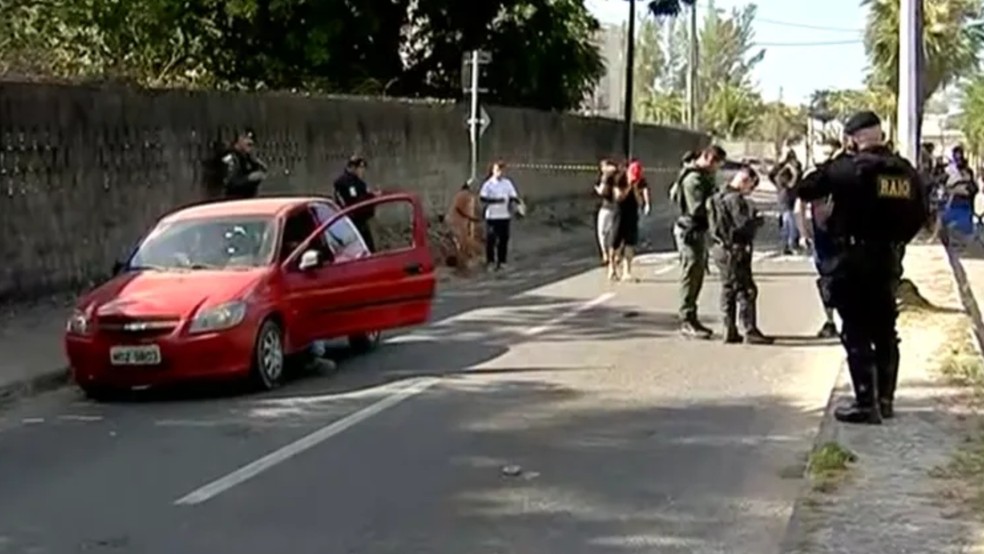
(310, 259)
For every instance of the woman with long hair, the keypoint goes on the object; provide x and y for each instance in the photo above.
(607, 174)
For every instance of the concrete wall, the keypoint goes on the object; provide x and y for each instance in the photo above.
(84, 171)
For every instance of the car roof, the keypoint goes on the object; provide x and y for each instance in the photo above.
(270, 207)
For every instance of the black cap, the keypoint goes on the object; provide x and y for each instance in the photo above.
(861, 120)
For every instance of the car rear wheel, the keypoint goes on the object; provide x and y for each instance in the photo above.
(268, 356)
(364, 342)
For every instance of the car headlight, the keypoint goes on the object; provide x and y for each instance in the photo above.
(219, 318)
(79, 323)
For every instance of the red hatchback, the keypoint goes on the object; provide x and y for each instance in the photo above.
(231, 289)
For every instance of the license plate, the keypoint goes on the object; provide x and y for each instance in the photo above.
(135, 355)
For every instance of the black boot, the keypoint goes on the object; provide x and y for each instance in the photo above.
(692, 329)
(828, 331)
(731, 334)
(887, 408)
(754, 336)
(858, 413)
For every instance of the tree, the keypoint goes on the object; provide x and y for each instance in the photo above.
(650, 61)
(731, 111)
(972, 113)
(953, 36)
(781, 124)
(544, 50)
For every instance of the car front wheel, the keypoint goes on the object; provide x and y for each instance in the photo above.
(364, 342)
(268, 356)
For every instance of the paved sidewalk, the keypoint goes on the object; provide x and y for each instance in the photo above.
(892, 498)
(31, 343)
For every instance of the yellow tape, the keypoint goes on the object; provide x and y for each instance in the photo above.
(584, 167)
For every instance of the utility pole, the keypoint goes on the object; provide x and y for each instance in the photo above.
(629, 82)
(910, 13)
(692, 121)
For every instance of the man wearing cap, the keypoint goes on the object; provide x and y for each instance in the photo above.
(350, 189)
(242, 170)
(878, 204)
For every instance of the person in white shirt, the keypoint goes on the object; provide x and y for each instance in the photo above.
(498, 196)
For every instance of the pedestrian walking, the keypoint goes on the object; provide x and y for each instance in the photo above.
(733, 223)
(499, 198)
(824, 249)
(351, 189)
(878, 204)
(242, 171)
(690, 193)
(608, 172)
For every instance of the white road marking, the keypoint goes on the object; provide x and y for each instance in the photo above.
(85, 418)
(303, 444)
(567, 315)
(251, 470)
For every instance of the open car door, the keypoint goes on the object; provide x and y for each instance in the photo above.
(392, 287)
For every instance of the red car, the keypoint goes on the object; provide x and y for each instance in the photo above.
(232, 289)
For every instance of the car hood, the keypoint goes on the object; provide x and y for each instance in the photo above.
(167, 293)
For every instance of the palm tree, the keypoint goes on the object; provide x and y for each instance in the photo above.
(953, 35)
(669, 8)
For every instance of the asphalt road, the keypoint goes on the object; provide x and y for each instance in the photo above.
(546, 411)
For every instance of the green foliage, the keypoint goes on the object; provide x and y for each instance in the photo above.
(780, 124)
(543, 50)
(953, 38)
(972, 113)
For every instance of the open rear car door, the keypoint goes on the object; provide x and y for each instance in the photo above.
(392, 287)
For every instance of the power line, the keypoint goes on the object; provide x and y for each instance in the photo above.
(821, 43)
(805, 26)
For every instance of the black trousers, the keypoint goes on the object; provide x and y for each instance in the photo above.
(864, 296)
(363, 226)
(739, 293)
(496, 241)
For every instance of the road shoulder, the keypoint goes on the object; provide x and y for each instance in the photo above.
(897, 487)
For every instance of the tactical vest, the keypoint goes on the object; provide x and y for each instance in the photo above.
(890, 204)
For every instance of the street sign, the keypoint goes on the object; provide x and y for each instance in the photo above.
(483, 121)
(483, 57)
(466, 77)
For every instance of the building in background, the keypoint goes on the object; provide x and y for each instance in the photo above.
(608, 97)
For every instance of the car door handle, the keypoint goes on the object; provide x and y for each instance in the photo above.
(413, 269)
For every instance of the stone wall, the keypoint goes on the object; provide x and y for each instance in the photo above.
(84, 170)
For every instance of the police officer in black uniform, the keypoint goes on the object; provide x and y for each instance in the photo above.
(242, 170)
(877, 204)
(350, 189)
(733, 225)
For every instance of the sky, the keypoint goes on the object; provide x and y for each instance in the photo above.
(797, 60)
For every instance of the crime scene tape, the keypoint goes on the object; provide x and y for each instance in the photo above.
(583, 167)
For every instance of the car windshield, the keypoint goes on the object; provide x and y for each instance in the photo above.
(215, 243)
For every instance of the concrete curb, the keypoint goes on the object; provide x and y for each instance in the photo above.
(34, 385)
(964, 290)
(828, 432)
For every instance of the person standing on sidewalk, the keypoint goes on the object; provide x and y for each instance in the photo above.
(733, 224)
(630, 195)
(498, 195)
(695, 185)
(606, 211)
(821, 243)
(461, 220)
(878, 203)
(785, 176)
(242, 171)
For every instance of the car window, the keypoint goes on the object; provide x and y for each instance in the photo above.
(207, 243)
(342, 236)
(298, 227)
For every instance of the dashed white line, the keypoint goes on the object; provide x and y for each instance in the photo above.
(532, 331)
(303, 444)
(251, 470)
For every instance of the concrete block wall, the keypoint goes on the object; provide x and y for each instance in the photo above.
(85, 170)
